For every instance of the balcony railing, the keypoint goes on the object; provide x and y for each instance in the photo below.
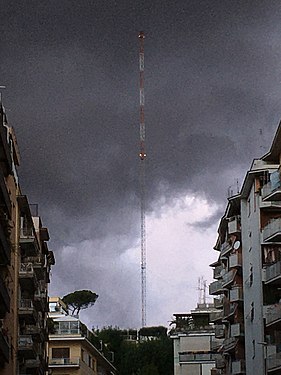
(216, 287)
(273, 273)
(271, 192)
(220, 363)
(236, 330)
(219, 331)
(27, 347)
(234, 225)
(225, 248)
(272, 314)
(28, 240)
(236, 294)
(235, 260)
(60, 362)
(238, 367)
(190, 357)
(216, 316)
(274, 361)
(216, 344)
(230, 343)
(218, 302)
(217, 271)
(228, 278)
(272, 231)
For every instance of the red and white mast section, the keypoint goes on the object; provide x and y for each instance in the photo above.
(142, 155)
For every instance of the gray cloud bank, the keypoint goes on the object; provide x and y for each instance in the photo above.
(212, 81)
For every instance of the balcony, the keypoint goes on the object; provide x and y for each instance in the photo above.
(64, 362)
(27, 348)
(271, 191)
(28, 241)
(5, 250)
(216, 316)
(38, 264)
(238, 367)
(274, 362)
(36, 331)
(220, 331)
(236, 330)
(229, 344)
(218, 302)
(33, 363)
(4, 299)
(27, 311)
(216, 344)
(229, 311)
(228, 278)
(272, 314)
(235, 260)
(225, 248)
(198, 357)
(236, 294)
(41, 299)
(4, 348)
(27, 276)
(273, 274)
(217, 271)
(220, 363)
(234, 225)
(216, 287)
(272, 231)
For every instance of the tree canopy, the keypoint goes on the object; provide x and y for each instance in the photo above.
(79, 300)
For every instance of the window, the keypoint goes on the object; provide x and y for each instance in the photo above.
(60, 353)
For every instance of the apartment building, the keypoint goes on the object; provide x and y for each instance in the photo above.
(25, 263)
(248, 271)
(195, 343)
(71, 348)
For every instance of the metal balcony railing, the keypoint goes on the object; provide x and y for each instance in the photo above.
(218, 302)
(216, 287)
(273, 272)
(273, 361)
(272, 231)
(74, 361)
(25, 304)
(225, 248)
(236, 294)
(236, 330)
(228, 278)
(190, 357)
(271, 191)
(235, 260)
(26, 268)
(272, 313)
(238, 367)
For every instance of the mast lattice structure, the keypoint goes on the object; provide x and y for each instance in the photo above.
(142, 156)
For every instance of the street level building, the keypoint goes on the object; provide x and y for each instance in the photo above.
(248, 271)
(195, 344)
(71, 348)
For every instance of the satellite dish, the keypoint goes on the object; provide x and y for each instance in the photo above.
(236, 245)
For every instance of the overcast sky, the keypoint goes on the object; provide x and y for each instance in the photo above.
(212, 103)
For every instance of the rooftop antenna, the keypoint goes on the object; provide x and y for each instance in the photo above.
(202, 286)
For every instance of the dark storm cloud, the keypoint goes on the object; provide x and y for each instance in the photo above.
(212, 81)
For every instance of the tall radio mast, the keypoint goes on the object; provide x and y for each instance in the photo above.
(142, 155)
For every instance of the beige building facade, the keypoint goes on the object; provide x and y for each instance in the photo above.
(70, 348)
